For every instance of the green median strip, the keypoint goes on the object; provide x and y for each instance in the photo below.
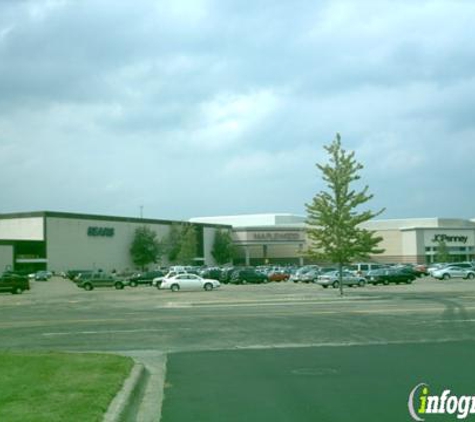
(50, 387)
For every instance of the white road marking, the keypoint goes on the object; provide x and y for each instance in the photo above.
(325, 344)
(448, 321)
(138, 330)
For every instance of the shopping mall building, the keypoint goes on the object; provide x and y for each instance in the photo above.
(281, 238)
(61, 241)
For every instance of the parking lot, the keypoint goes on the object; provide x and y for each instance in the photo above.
(57, 314)
(286, 317)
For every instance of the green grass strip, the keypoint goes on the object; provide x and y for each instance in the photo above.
(62, 387)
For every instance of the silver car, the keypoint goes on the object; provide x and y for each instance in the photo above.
(310, 276)
(300, 274)
(453, 271)
(332, 279)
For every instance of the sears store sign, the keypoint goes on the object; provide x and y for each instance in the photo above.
(100, 231)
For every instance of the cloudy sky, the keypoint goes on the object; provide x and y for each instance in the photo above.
(199, 108)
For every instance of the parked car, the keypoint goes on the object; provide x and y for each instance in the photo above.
(436, 266)
(310, 276)
(421, 270)
(145, 278)
(248, 275)
(279, 275)
(390, 275)
(324, 270)
(213, 273)
(158, 280)
(72, 274)
(43, 275)
(190, 281)
(467, 265)
(332, 279)
(89, 281)
(361, 268)
(408, 269)
(226, 274)
(14, 283)
(453, 271)
(299, 274)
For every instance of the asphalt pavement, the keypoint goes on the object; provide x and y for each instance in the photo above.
(331, 384)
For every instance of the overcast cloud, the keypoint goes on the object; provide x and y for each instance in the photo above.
(200, 108)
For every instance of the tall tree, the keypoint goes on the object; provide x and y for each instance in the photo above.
(442, 252)
(145, 248)
(189, 246)
(334, 217)
(223, 247)
(173, 242)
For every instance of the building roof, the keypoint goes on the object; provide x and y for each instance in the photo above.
(419, 223)
(282, 220)
(254, 220)
(79, 216)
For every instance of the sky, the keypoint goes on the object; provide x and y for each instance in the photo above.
(190, 108)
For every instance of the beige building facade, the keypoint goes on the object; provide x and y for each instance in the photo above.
(62, 241)
(281, 238)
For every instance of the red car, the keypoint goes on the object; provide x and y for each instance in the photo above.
(278, 276)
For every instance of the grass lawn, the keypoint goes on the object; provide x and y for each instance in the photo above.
(59, 387)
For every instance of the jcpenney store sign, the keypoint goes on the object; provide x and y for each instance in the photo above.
(453, 238)
(446, 238)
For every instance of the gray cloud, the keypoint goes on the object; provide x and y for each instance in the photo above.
(199, 107)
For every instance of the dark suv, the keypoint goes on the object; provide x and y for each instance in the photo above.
(89, 281)
(14, 283)
(212, 273)
(391, 275)
(226, 275)
(248, 275)
(145, 278)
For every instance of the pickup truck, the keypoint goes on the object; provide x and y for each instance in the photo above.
(89, 281)
(14, 283)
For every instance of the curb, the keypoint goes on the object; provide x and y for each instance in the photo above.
(124, 405)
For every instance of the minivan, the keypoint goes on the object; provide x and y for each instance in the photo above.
(361, 268)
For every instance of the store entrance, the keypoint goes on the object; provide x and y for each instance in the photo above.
(30, 256)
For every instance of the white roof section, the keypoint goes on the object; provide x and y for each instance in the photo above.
(419, 223)
(282, 220)
(28, 228)
(254, 220)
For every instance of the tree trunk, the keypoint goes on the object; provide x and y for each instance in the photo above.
(340, 277)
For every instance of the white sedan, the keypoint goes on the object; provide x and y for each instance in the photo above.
(452, 271)
(188, 281)
(158, 280)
